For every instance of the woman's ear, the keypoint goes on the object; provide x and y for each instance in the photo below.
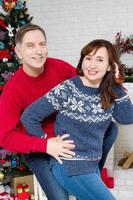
(109, 68)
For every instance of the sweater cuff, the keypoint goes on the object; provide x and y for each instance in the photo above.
(43, 145)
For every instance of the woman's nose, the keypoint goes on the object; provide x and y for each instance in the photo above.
(93, 64)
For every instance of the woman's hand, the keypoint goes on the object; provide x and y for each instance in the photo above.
(57, 147)
(116, 71)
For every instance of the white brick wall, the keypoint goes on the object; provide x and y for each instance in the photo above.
(70, 24)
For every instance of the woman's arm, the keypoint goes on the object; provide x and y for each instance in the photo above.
(123, 108)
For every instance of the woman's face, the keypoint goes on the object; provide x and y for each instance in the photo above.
(95, 66)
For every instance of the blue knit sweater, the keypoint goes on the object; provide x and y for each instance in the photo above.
(80, 114)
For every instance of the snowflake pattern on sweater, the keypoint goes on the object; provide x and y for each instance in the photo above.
(80, 106)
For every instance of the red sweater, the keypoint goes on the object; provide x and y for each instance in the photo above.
(17, 94)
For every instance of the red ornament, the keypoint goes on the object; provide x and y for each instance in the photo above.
(21, 168)
(3, 161)
(2, 23)
(110, 182)
(5, 54)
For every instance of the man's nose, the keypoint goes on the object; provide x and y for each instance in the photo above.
(38, 49)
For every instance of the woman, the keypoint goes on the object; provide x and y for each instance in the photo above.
(86, 105)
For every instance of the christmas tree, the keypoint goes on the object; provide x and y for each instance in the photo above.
(14, 15)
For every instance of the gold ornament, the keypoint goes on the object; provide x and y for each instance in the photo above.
(1, 176)
(9, 4)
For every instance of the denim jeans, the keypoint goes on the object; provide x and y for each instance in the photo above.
(84, 187)
(39, 164)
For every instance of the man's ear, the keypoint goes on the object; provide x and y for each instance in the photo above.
(18, 52)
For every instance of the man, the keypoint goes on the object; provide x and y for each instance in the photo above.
(37, 75)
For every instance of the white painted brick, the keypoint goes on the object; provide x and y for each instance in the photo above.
(127, 195)
(71, 24)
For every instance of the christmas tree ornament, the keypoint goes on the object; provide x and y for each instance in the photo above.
(19, 5)
(2, 23)
(2, 45)
(10, 30)
(1, 176)
(14, 163)
(9, 4)
(2, 161)
(23, 22)
(21, 168)
(5, 60)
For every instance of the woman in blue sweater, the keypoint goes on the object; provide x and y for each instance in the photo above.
(86, 105)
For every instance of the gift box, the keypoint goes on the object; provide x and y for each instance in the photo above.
(22, 184)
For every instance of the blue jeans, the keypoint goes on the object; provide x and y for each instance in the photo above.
(84, 187)
(39, 164)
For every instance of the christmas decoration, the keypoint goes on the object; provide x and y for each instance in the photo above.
(108, 181)
(12, 165)
(14, 15)
(7, 196)
(1, 176)
(124, 45)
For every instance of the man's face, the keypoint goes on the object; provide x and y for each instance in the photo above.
(33, 52)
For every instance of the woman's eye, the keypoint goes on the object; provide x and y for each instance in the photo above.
(88, 58)
(100, 60)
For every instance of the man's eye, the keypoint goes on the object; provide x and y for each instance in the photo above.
(43, 44)
(29, 45)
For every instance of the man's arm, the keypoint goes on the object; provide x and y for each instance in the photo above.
(13, 136)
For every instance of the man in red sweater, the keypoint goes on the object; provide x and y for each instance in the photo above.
(34, 78)
(37, 75)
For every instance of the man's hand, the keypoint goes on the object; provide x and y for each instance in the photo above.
(57, 147)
